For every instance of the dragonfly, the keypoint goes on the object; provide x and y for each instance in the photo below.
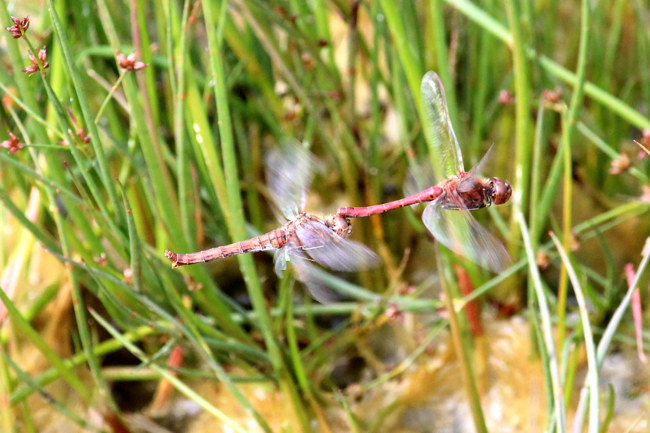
(455, 191)
(304, 239)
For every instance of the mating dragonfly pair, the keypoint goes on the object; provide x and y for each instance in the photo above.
(307, 238)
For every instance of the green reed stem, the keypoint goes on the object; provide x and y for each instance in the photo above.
(546, 326)
(235, 216)
(521, 187)
(442, 57)
(592, 363)
(407, 55)
(462, 343)
(568, 131)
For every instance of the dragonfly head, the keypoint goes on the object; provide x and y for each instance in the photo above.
(501, 190)
(339, 224)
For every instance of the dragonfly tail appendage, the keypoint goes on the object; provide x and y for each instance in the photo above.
(173, 257)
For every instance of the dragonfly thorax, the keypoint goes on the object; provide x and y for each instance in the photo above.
(466, 192)
(339, 225)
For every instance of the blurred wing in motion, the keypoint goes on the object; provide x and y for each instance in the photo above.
(477, 170)
(289, 171)
(280, 261)
(419, 177)
(461, 233)
(306, 274)
(332, 251)
(446, 155)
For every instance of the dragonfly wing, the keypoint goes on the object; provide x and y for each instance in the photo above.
(439, 132)
(419, 177)
(459, 231)
(305, 273)
(332, 251)
(477, 170)
(289, 172)
(280, 261)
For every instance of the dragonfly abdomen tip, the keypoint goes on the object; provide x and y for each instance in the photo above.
(173, 257)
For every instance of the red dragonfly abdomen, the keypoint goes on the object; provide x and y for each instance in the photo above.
(428, 194)
(268, 241)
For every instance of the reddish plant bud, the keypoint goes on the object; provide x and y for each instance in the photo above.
(506, 97)
(35, 66)
(128, 62)
(12, 144)
(19, 28)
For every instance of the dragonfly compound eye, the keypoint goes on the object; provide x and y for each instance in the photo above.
(501, 190)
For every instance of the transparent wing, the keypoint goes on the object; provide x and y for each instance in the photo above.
(307, 275)
(289, 171)
(477, 170)
(280, 261)
(331, 250)
(460, 232)
(419, 177)
(447, 159)
(304, 272)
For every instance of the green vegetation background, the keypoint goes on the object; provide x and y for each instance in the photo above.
(174, 160)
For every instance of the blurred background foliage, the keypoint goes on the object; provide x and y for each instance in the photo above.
(100, 334)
